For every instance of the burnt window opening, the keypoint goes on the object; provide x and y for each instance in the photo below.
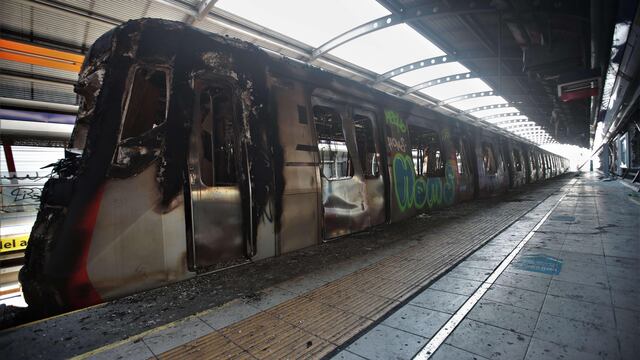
(366, 143)
(335, 160)
(147, 103)
(218, 155)
(461, 157)
(145, 113)
(517, 160)
(426, 151)
(489, 159)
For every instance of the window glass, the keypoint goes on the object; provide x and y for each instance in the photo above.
(217, 158)
(517, 160)
(147, 103)
(488, 159)
(335, 160)
(428, 158)
(365, 140)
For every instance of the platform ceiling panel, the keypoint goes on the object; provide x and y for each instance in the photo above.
(312, 22)
(286, 27)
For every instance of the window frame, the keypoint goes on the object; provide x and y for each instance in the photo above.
(418, 157)
(374, 138)
(350, 168)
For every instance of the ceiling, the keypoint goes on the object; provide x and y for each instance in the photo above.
(518, 51)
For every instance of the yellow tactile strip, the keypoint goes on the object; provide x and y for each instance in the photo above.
(314, 324)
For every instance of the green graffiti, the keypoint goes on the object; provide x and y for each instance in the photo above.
(392, 118)
(403, 180)
(411, 190)
(420, 193)
(449, 192)
(434, 192)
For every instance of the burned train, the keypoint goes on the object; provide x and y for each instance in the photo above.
(192, 152)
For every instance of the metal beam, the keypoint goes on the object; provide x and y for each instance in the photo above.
(41, 79)
(466, 96)
(203, 8)
(497, 116)
(432, 61)
(71, 11)
(489, 107)
(438, 81)
(38, 105)
(420, 12)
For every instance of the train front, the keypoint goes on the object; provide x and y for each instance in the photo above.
(112, 220)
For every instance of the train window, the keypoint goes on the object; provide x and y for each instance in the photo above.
(145, 111)
(517, 160)
(335, 160)
(428, 158)
(147, 103)
(461, 164)
(366, 143)
(489, 159)
(217, 158)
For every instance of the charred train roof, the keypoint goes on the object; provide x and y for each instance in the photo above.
(158, 40)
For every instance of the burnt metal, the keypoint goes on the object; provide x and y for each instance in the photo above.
(280, 200)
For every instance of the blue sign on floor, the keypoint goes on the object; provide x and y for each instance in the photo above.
(539, 263)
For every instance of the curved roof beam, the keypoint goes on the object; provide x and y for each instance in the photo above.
(420, 12)
(442, 80)
(511, 121)
(488, 107)
(420, 64)
(425, 63)
(466, 96)
(526, 124)
(526, 130)
(497, 116)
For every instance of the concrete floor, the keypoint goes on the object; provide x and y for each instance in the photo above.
(573, 291)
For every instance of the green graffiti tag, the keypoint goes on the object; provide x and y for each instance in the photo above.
(411, 190)
(393, 118)
(449, 192)
(403, 180)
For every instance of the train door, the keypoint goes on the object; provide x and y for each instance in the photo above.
(213, 171)
(351, 181)
(300, 216)
(369, 150)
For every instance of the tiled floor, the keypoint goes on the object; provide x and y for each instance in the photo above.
(573, 292)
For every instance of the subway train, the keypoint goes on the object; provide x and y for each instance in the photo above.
(194, 152)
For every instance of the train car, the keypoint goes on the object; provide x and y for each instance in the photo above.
(194, 152)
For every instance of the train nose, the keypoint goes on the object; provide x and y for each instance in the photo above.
(54, 274)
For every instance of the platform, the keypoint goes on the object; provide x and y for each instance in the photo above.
(551, 271)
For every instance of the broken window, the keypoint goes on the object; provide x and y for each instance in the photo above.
(461, 164)
(489, 159)
(517, 160)
(145, 112)
(366, 143)
(147, 103)
(335, 160)
(428, 158)
(218, 155)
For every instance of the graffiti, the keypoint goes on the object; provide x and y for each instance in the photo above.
(449, 191)
(403, 180)
(434, 192)
(419, 191)
(396, 145)
(392, 118)
(26, 193)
